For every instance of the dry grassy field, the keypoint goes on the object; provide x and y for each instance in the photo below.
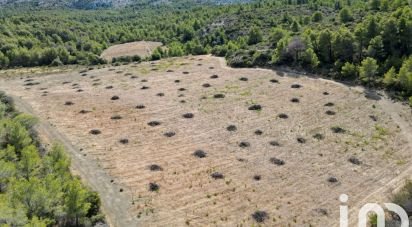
(141, 48)
(193, 142)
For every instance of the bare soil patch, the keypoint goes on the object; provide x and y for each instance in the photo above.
(364, 154)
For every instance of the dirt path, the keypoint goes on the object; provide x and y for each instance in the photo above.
(115, 204)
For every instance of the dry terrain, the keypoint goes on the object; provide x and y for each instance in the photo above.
(189, 141)
(141, 48)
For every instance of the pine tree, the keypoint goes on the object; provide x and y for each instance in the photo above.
(76, 206)
(368, 70)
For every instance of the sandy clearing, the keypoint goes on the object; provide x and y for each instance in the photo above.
(141, 48)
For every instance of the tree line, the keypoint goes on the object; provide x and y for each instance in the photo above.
(36, 187)
(366, 41)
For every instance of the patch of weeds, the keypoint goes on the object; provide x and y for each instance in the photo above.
(319, 136)
(380, 132)
(337, 129)
(219, 96)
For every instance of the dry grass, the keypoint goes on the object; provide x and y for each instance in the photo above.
(141, 48)
(295, 175)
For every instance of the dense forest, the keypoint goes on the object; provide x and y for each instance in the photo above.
(364, 41)
(36, 188)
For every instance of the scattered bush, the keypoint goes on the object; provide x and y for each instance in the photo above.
(354, 160)
(260, 216)
(330, 112)
(231, 128)
(155, 168)
(200, 154)
(337, 129)
(154, 123)
(277, 161)
(116, 117)
(188, 115)
(217, 176)
(294, 100)
(258, 132)
(115, 98)
(153, 187)
(255, 107)
(219, 96)
(124, 141)
(332, 180)
(244, 144)
(95, 132)
(169, 134)
(301, 140)
(319, 136)
(283, 116)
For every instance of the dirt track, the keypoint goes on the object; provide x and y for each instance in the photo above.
(296, 193)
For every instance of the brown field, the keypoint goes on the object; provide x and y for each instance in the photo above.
(297, 193)
(141, 48)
